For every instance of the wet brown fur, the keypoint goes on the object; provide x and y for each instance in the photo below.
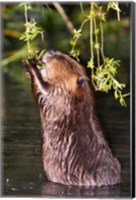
(74, 150)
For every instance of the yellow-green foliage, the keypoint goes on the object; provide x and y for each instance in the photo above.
(103, 69)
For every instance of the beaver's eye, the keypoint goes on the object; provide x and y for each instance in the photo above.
(82, 80)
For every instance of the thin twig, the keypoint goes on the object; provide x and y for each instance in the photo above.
(102, 40)
(97, 43)
(26, 21)
(91, 44)
(64, 16)
(91, 34)
(81, 7)
(48, 7)
(118, 12)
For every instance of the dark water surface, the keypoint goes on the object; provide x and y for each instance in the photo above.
(23, 173)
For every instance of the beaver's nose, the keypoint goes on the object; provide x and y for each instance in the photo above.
(48, 55)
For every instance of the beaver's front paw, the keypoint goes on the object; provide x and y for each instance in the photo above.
(32, 61)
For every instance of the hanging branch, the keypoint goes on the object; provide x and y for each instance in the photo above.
(96, 45)
(31, 30)
(103, 74)
(102, 40)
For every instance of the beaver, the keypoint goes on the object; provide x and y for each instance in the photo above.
(74, 150)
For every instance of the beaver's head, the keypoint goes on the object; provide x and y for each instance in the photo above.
(61, 69)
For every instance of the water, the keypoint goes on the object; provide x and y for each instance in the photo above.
(23, 173)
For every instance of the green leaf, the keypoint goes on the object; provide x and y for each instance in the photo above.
(116, 94)
(23, 36)
(77, 33)
(125, 95)
(96, 31)
(122, 101)
(73, 42)
(96, 45)
(41, 54)
(90, 64)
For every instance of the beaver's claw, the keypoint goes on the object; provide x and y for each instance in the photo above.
(24, 63)
(33, 61)
(30, 62)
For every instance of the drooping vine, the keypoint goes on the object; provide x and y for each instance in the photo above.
(32, 30)
(103, 69)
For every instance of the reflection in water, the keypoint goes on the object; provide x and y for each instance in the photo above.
(22, 164)
(59, 190)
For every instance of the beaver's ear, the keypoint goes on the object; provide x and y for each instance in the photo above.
(81, 80)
